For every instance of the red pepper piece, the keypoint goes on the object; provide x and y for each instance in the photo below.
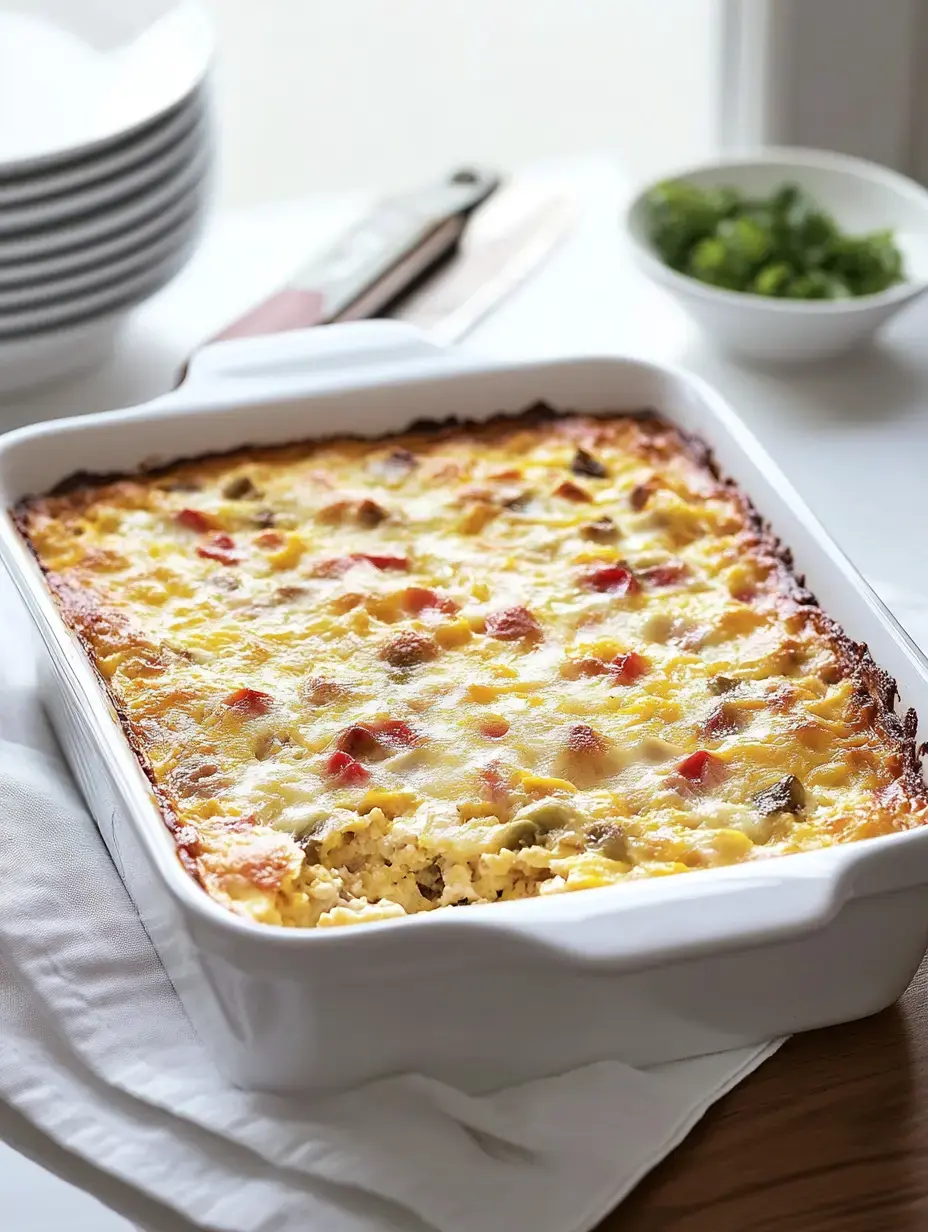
(665, 575)
(613, 578)
(195, 519)
(249, 701)
(701, 767)
(384, 562)
(724, 720)
(220, 547)
(495, 783)
(627, 668)
(418, 599)
(512, 624)
(345, 770)
(395, 731)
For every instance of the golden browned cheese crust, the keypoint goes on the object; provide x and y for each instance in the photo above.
(483, 662)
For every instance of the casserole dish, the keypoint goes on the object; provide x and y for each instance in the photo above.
(648, 972)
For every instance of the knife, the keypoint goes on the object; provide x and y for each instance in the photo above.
(439, 258)
(505, 241)
(376, 259)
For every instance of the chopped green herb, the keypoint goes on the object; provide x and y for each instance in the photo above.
(783, 245)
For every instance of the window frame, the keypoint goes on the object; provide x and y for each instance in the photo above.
(832, 74)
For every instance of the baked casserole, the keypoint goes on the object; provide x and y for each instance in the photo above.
(469, 663)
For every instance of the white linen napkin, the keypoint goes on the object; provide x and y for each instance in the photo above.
(99, 1057)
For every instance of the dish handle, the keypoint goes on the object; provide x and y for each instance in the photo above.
(320, 349)
(681, 917)
(748, 911)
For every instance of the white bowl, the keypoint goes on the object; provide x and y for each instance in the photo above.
(35, 271)
(19, 188)
(860, 195)
(91, 199)
(120, 217)
(39, 359)
(105, 274)
(75, 78)
(122, 293)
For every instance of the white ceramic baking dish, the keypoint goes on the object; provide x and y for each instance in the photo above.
(480, 995)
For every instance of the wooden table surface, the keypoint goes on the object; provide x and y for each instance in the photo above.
(829, 1135)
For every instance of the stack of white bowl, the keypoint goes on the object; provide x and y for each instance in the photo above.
(105, 154)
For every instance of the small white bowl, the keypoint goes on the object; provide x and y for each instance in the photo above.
(861, 196)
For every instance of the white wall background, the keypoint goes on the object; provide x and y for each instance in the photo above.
(318, 95)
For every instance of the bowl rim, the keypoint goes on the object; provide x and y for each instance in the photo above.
(799, 157)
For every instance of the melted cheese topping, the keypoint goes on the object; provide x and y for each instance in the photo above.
(375, 678)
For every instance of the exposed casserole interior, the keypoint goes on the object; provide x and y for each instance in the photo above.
(471, 663)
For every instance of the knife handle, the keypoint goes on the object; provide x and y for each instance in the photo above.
(291, 308)
(375, 261)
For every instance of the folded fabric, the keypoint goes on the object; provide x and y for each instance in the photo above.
(99, 1057)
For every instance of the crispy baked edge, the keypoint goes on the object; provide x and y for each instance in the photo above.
(874, 686)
